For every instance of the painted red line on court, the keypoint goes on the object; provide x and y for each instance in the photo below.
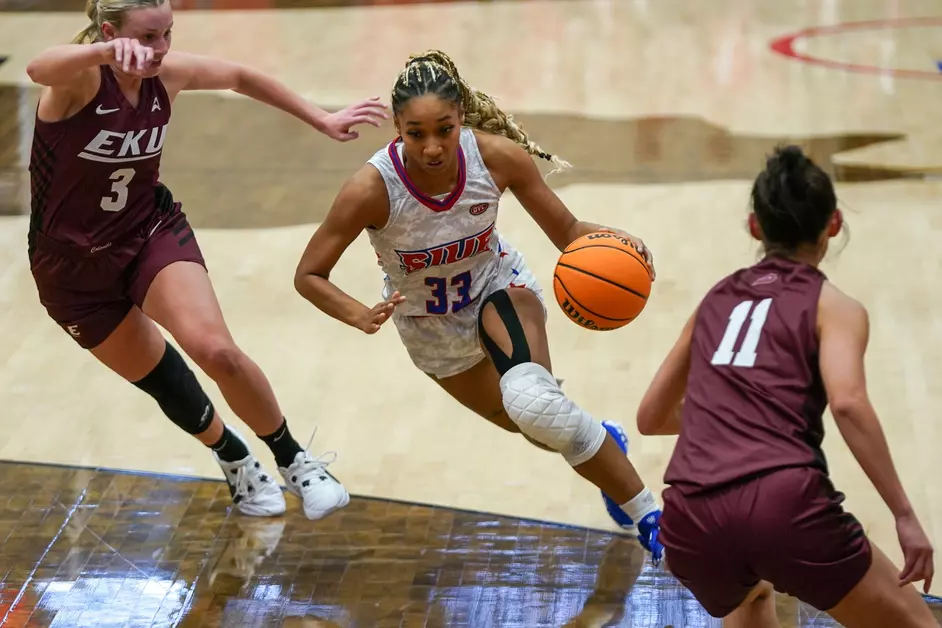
(785, 46)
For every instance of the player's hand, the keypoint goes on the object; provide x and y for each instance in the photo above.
(339, 125)
(917, 552)
(379, 314)
(638, 245)
(130, 54)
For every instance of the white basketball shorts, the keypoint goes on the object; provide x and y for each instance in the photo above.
(443, 346)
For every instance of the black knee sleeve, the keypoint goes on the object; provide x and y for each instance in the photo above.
(175, 388)
(518, 338)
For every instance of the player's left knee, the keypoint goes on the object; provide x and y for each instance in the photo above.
(178, 393)
(535, 402)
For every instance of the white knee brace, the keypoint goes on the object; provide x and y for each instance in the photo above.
(533, 401)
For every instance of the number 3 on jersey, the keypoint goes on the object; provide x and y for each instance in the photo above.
(122, 178)
(439, 286)
(746, 356)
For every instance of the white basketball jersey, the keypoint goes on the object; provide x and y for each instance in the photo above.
(438, 252)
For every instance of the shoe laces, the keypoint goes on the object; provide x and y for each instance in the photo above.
(311, 465)
(246, 477)
(241, 485)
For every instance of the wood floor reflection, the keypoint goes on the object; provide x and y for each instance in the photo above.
(91, 547)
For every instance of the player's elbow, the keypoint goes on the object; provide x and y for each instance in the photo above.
(306, 281)
(648, 419)
(36, 72)
(302, 281)
(299, 279)
(850, 407)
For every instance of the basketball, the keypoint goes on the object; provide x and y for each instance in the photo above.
(601, 282)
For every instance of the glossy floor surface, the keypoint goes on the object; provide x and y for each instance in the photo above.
(665, 109)
(85, 547)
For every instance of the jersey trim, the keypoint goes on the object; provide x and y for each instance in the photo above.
(432, 203)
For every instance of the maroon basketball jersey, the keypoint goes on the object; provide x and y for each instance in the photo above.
(754, 398)
(93, 175)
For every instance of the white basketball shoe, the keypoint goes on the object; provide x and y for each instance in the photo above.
(308, 479)
(254, 491)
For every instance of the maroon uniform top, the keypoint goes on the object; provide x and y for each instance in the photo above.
(93, 176)
(754, 398)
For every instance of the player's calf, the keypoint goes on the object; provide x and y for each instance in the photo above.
(174, 387)
(535, 402)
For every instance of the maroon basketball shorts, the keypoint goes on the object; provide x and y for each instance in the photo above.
(787, 527)
(89, 292)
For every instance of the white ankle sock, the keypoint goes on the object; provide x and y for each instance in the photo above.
(640, 505)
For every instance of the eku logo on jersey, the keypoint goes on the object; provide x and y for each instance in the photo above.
(412, 261)
(118, 147)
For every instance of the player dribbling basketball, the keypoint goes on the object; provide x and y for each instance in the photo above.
(429, 204)
(750, 504)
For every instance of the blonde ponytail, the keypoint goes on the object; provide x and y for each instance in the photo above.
(91, 33)
(110, 11)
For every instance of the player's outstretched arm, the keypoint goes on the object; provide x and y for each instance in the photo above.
(70, 76)
(362, 202)
(62, 65)
(844, 331)
(661, 407)
(185, 71)
(515, 168)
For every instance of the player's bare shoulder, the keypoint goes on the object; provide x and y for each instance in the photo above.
(839, 308)
(364, 198)
(504, 158)
(176, 72)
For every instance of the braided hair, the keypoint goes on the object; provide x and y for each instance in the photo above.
(433, 72)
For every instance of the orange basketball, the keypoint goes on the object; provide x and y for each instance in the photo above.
(601, 282)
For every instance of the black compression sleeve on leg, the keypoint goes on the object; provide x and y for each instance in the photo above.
(178, 393)
(518, 338)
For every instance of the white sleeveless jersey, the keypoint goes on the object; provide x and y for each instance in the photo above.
(440, 253)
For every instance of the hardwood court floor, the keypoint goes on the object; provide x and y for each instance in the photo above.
(94, 547)
(665, 109)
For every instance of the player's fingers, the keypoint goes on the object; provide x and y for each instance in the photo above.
(128, 55)
(371, 102)
(120, 51)
(921, 572)
(906, 574)
(913, 569)
(365, 120)
(373, 109)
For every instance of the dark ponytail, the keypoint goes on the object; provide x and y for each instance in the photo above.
(793, 199)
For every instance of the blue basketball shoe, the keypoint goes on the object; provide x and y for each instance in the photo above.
(647, 529)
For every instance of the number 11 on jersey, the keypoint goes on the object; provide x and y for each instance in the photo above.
(746, 356)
